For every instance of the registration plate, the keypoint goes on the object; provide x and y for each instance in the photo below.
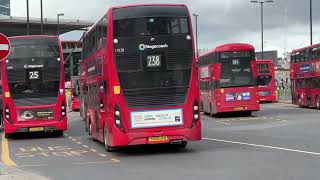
(154, 61)
(158, 139)
(238, 108)
(36, 129)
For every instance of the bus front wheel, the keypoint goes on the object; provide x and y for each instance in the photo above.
(318, 102)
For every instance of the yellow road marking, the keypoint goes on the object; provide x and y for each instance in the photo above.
(5, 154)
(115, 160)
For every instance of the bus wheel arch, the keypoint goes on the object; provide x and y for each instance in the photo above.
(107, 147)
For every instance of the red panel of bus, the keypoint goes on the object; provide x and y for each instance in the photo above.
(75, 102)
(305, 76)
(266, 81)
(227, 79)
(33, 86)
(140, 84)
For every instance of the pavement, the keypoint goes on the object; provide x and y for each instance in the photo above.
(278, 142)
(12, 173)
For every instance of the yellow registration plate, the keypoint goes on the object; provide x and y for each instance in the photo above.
(36, 129)
(238, 108)
(158, 139)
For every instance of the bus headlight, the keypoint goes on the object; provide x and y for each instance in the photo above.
(117, 118)
(195, 114)
(63, 111)
(7, 114)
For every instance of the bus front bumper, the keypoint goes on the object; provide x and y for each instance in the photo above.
(119, 138)
(238, 108)
(35, 126)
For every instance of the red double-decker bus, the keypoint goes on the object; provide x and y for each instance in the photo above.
(140, 77)
(266, 81)
(305, 76)
(227, 77)
(75, 91)
(33, 86)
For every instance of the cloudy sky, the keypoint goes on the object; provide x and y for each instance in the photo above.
(220, 21)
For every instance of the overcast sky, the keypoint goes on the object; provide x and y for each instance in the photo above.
(220, 21)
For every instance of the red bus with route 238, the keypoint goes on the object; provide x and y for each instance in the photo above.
(140, 84)
(305, 76)
(33, 86)
(266, 81)
(227, 78)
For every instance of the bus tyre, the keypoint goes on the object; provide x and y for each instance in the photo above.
(318, 102)
(7, 135)
(59, 133)
(105, 140)
(183, 145)
(300, 103)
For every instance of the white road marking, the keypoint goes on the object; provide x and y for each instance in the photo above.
(85, 146)
(4, 47)
(101, 162)
(93, 150)
(264, 146)
(103, 155)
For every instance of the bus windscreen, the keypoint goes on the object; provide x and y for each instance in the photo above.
(236, 70)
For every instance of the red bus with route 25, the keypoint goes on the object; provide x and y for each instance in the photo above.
(305, 76)
(33, 86)
(266, 81)
(140, 82)
(227, 78)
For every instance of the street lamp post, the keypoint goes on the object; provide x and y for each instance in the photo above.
(41, 9)
(261, 4)
(311, 30)
(28, 23)
(196, 22)
(58, 22)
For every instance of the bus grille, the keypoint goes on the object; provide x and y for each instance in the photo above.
(128, 62)
(179, 59)
(155, 97)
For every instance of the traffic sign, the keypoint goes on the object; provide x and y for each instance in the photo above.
(4, 46)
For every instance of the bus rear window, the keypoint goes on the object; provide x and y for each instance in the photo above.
(151, 26)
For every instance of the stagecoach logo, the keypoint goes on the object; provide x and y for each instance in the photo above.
(26, 66)
(143, 47)
(27, 115)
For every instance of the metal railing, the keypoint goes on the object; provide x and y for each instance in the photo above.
(284, 95)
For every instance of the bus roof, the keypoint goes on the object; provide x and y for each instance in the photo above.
(127, 6)
(305, 48)
(231, 47)
(33, 36)
(134, 5)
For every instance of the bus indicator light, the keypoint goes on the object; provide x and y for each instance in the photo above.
(116, 89)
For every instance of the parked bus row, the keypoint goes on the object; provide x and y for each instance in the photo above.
(305, 76)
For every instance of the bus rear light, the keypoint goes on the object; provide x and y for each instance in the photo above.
(117, 118)
(196, 113)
